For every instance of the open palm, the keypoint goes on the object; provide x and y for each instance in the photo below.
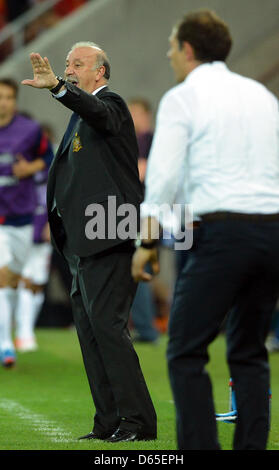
(44, 76)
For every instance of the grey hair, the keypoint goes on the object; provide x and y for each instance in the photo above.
(102, 58)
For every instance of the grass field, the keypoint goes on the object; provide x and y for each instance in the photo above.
(45, 401)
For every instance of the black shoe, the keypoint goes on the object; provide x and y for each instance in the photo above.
(93, 435)
(122, 435)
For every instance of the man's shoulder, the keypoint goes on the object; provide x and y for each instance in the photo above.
(175, 97)
(175, 91)
(114, 98)
(107, 92)
(254, 87)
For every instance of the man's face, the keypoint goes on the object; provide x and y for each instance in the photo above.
(7, 101)
(177, 58)
(80, 68)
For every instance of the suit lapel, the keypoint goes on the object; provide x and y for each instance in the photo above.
(63, 147)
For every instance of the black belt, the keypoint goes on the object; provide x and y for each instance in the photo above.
(239, 216)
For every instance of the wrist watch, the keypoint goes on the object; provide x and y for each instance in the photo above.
(147, 245)
(59, 85)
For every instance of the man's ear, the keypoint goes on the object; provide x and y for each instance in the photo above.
(189, 51)
(102, 71)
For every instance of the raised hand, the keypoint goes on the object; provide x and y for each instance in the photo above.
(44, 76)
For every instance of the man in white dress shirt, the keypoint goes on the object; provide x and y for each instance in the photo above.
(221, 131)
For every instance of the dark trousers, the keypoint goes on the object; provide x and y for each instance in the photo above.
(102, 294)
(233, 267)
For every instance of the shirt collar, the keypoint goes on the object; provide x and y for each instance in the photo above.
(98, 89)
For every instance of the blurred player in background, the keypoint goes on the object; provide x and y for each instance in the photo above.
(143, 311)
(141, 113)
(24, 151)
(31, 292)
(35, 273)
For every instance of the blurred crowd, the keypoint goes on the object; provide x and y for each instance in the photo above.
(11, 10)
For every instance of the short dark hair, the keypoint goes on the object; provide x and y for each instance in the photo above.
(106, 64)
(208, 34)
(10, 82)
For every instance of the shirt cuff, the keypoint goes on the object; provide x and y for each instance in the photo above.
(59, 95)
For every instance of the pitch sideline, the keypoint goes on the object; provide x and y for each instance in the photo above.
(37, 421)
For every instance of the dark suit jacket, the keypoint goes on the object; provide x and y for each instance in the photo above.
(98, 159)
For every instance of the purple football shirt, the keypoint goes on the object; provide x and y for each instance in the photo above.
(21, 136)
(40, 216)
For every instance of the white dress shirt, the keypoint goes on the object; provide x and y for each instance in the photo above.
(217, 142)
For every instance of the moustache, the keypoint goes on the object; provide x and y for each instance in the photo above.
(72, 79)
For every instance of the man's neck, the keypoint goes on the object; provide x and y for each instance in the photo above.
(5, 120)
(193, 65)
(99, 85)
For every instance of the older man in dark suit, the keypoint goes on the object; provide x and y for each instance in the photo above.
(97, 158)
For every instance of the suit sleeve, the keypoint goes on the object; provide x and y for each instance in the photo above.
(105, 115)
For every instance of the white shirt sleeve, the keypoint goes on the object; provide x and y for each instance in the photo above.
(60, 94)
(166, 161)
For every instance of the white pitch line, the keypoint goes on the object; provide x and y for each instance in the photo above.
(37, 422)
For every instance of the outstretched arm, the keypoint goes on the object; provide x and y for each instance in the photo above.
(105, 115)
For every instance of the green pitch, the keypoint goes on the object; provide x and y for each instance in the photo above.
(45, 401)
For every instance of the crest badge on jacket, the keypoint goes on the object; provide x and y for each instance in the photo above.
(77, 143)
